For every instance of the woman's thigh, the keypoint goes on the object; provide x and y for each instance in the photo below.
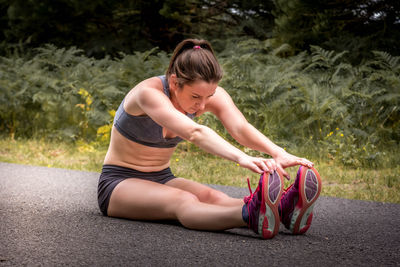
(145, 200)
(204, 193)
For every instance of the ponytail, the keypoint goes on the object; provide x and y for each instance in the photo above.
(194, 60)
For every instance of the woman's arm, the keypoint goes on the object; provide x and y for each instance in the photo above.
(156, 104)
(243, 132)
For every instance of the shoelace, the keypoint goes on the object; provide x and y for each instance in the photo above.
(247, 198)
(286, 190)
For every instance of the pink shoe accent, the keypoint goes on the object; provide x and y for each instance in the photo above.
(262, 205)
(297, 203)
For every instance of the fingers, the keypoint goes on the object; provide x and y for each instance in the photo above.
(304, 162)
(271, 164)
(259, 165)
(256, 169)
(289, 160)
(284, 173)
(266, 165)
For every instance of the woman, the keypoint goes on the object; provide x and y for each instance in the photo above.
(136, 181)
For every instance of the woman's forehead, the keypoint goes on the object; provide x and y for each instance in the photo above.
(201, 87)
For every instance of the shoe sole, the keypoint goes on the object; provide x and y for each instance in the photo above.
(272, 192)
(310, 185)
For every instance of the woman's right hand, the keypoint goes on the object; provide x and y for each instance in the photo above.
(257, 164)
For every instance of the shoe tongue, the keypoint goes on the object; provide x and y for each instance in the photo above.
(260, 184)
(296, 182)
(287, 203)
(261, 179)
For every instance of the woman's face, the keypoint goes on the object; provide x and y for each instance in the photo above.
(192, 98)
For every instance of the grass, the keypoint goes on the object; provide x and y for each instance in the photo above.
(51, 154)
(381, 185)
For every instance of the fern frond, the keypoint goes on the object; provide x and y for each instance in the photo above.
(386, 60)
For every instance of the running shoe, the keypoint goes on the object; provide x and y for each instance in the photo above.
(298, 200)
(262, 205)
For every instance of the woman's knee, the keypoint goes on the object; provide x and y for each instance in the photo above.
(185, 205)
(186, 197)
(213, 196)
(183, 199)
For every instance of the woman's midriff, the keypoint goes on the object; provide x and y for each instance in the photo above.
(126, 153)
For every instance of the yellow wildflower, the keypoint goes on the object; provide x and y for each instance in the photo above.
(112, 113)
(82, 106)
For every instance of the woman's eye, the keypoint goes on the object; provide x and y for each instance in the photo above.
(195, 96)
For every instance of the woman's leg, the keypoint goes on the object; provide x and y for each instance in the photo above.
(205, 193)
(145, 200)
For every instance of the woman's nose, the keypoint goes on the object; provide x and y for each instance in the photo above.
(202, 104)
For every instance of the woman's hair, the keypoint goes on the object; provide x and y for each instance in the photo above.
(194, 60)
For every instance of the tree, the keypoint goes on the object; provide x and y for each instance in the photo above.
(109, 26)
(339, 24)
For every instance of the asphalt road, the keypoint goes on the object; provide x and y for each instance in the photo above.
(49, 217)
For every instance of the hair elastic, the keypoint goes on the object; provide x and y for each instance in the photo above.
(196, 47)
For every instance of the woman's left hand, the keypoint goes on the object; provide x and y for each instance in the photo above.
(284, 160)
(257, 164)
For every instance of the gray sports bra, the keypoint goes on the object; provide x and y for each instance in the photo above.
(142, 129)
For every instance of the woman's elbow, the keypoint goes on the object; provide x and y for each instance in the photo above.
(197, 133)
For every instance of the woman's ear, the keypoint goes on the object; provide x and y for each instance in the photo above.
(173, 82)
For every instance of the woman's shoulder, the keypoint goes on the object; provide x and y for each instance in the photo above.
(150, 83)
(219, 102)
(145, 89)
(220, 97)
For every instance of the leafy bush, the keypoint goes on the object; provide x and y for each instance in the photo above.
(299, 100)
(316, 103)
(59, 93)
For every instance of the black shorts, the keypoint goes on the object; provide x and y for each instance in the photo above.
(111, 175)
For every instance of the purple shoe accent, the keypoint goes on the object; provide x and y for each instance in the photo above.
(297, 202)
(263, 215)
(311, 185)
(275, 187)
(289, 200)
(254, 202)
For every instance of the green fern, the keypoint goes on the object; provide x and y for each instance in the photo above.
(322, 59)
(297, 101)
(386, 61)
